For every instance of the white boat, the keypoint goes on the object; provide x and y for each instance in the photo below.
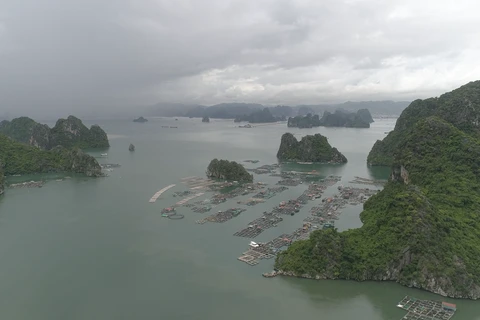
(103, 155)
(253, 244)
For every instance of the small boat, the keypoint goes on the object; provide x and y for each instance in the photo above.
(253, 244)
(103, 155)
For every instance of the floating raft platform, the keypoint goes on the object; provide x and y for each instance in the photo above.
(196, 183)
(426, 309)
(193, 196)
(159, 193)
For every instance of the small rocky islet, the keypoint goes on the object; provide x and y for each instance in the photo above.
(311, 148)
(140, 120)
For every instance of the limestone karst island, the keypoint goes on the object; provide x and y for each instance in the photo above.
(309, 149)
(422, 230)
(28, 147)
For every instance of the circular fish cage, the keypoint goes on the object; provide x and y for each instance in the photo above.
(176, 216)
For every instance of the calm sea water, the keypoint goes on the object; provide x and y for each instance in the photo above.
(97, 249)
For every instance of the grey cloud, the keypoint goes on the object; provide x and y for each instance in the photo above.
(74, 55)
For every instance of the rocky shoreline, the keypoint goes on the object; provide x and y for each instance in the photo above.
(28, 184)
(433, 285)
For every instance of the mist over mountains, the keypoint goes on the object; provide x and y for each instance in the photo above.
(232, 110)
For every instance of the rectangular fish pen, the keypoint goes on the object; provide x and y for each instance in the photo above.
(426, 309)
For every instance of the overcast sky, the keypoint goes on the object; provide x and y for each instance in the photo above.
(101, 54)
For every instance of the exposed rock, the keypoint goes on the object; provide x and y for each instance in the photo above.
(310, 149)
(365, 115)
(28, 184)
(228, 170)
(131, 147)
(71, 132)
(75, 160)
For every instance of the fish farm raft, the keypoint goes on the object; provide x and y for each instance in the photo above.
(426, 309)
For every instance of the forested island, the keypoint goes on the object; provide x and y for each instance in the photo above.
(307, 121)
(260, 116)
(27, 147)
(140, 119)
(68, 133)
(422, 230)
(361, 119)
(228, 170)
(312, 148)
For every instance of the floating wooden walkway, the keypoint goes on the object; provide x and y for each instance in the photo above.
(426, 309)
(196, 183)
(193, 196)
(159, 193)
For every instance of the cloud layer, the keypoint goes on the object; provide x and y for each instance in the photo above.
(70, 54)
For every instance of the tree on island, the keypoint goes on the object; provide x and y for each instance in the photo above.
(228, 170)
(206, 119)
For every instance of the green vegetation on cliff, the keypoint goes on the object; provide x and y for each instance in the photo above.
(360, 119)
(68, 133)
(422, 230)
(259, 116)
(312, 148)
(228, 170)
(71, 132)
(19, 158)
(460, 107)
(307, 121)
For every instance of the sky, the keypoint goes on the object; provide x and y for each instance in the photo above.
(90, 55)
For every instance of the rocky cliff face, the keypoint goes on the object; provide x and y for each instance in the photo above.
(313, 148)
(422, 230)
(70, 132)
(75, 160)
(365, 115)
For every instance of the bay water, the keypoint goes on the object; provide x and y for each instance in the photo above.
(95, 248)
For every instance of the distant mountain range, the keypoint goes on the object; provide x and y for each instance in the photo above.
(234, 110)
